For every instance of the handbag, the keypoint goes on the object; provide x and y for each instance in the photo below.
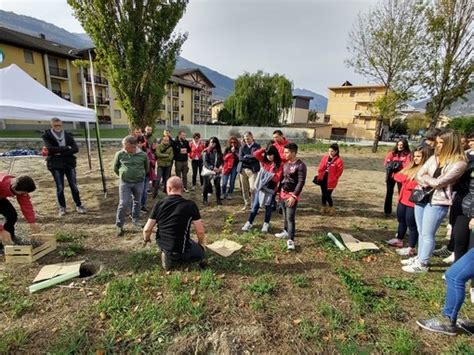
(316, 181)
(420, 195)
(206, 172)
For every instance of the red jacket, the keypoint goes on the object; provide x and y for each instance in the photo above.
(404, 157)
(196, 151)
(229, 162)
(281, 149)
(23, 200)
(335, 170)
(269, 166)
(406, 189)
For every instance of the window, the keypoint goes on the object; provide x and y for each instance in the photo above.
(53, 62)
(371, 92)
(55, 86)
(117, 114)
(28, 56)
(182, 89)
(182, 117)
(182, 103)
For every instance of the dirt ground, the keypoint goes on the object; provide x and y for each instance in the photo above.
(300, 316)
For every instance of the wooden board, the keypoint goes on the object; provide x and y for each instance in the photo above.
(26, 253)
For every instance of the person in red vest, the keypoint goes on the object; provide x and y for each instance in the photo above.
(20, 188)
(329, 171)
(279, 142)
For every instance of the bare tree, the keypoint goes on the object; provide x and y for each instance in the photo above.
(386, 45)
(449, 63)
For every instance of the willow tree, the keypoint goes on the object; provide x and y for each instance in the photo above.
(385, 46)
(260, 99)
(136, 44)
(450, 61)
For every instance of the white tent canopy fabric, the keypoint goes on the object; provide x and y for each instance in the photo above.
(23, 98)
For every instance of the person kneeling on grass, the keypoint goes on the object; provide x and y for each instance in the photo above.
(20, 188)
(173, 216)
(456, 278)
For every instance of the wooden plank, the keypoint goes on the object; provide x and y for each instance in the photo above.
(43, 253)
(46, 245)
(28, 254)
(18, 259)
(18, 250)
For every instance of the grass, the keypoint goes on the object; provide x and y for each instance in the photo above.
(14, 302)
(72, 249)
(69, 237)
(300, 281)
(12, 340)
(398, 341)
(264, 285)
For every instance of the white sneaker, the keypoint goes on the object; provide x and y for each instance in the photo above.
(185, 190)
(449, 259)
(265, 227)
(62, 211)
(444, 277)
(81, 209)
(408, 261)
(406, 251)
(247, 226)
(193, 188)
(415, 268)
(472, 294)
(229, 197)
(282, 235)
(290, 244)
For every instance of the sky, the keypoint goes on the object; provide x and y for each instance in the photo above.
(305, 40)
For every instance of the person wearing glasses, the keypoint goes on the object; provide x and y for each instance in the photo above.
(61, 161)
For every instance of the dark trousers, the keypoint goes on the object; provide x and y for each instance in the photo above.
(462, 236)
(389, 195)
(406, 220)
(289, 214)
(217, 186)
(162, 175)
(181, 169)
(193, 254)
(9, 212)
(326, 194)
(454, 211)
(197, 169)
(58, 175)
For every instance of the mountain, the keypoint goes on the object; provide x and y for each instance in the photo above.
(459, 108)
(318, 103)
(224, 84)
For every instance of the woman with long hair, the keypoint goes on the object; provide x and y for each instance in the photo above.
(406, 208)
(437, 176)
(229, 172)
(329, 171)
(266, 184)
(196, 159)
(213, 161)
(395, 161)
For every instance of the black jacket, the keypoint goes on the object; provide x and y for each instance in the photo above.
(212, 160)
(60, 157)
(246, 158)
(178, 144)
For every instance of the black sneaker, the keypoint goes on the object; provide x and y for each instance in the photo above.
(466, 325)
(436, 325)
(442, 252)
(219, 202)
(166, 261)
(205, 203)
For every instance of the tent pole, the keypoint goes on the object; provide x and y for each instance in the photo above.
(87, 136)
(97, 131)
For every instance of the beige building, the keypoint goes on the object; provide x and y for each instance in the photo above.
(351, 112)
(216, 107)
(298, 112)
(53, 65)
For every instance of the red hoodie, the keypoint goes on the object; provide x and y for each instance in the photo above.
(281, 148)
(335, 170)
(406, 189)
(229, 162)
(23, 200)
(196, 151)
(268, 166)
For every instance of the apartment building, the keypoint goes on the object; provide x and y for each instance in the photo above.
(298, 112)
(54, 65)
(351, 110)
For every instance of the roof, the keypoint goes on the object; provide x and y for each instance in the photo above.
(184, 82)
(39, 44)
(182, 72)
(351, 87)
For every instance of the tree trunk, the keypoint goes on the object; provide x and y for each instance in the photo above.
(378, 128)
(434, 120)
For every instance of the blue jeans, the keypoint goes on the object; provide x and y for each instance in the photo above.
(289, 220)
(127, 191)
(256, 207)
(428, 219)
(406, 220)
(58, 175)
(144, 198)
(456, 277)
(229, 178)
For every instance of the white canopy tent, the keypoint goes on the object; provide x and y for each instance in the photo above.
(23, 98)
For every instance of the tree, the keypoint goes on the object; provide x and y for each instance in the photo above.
(259, 98)
(464, 124)
(385, 46)
(417, 122)
(399, 126)
(312, 116)
(135, 43)
(225, 116)
(450, 62)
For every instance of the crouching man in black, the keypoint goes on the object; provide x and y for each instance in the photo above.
(173, 216)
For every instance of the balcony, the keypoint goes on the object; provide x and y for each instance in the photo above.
(175, 93)
(365, 113)
(58, 72)
(196, 110)
(175, 108)
(62, 94)
(162, 107)
(104, 119)
(100, 100)
(197, 97)
(98, 80)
